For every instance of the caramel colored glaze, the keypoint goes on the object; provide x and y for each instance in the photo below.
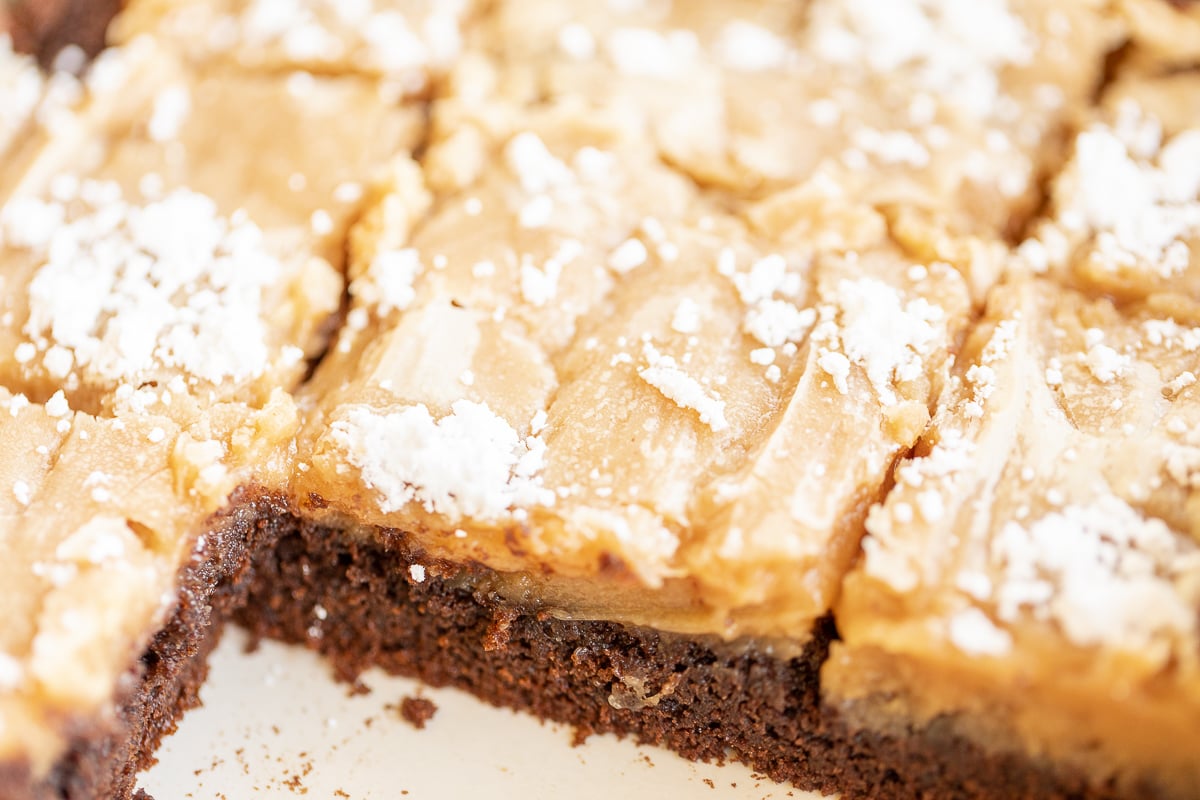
(1046, 533)
(630, 332)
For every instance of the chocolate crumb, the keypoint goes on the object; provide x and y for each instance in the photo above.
(417, 711)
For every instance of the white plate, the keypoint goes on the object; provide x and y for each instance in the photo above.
(275, 725)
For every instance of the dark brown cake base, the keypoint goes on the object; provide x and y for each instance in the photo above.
(934, 762)
(356, 602)
(105, 756)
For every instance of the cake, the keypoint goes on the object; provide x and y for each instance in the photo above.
(809, 384)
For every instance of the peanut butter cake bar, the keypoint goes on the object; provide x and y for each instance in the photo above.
(806, 383)
(1046, 535)
(1029, 590)
(700, 423)
(162, 291)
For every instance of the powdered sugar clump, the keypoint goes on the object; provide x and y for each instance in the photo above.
(469, 463)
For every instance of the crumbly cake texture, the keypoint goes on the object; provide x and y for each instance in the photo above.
(958, 320)
(384, 602)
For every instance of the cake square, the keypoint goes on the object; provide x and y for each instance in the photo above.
(163, 291)
(1044, 535)
(1125, 211)
(253, 232)
(677, 379)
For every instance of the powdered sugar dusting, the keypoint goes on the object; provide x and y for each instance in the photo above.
(1139, 196)
(130, 288)
(871, 325)
(664, 373)
(20, 90)
(893, 555)
(470, 463)
(972, 632)
(1102, 571)
(372, 35)
(952, 48)
(388, 282)
(649, 53)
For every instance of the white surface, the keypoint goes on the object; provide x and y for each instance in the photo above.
(275, 725)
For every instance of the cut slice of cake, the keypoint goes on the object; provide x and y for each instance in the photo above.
(589, 444)
(162, 292)
(1024, 621)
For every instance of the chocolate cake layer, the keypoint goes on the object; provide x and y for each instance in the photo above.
(105, 756)
(359, 603)
(934, 762)
(378, 603)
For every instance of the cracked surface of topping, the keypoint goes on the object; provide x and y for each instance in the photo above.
(925, 107)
